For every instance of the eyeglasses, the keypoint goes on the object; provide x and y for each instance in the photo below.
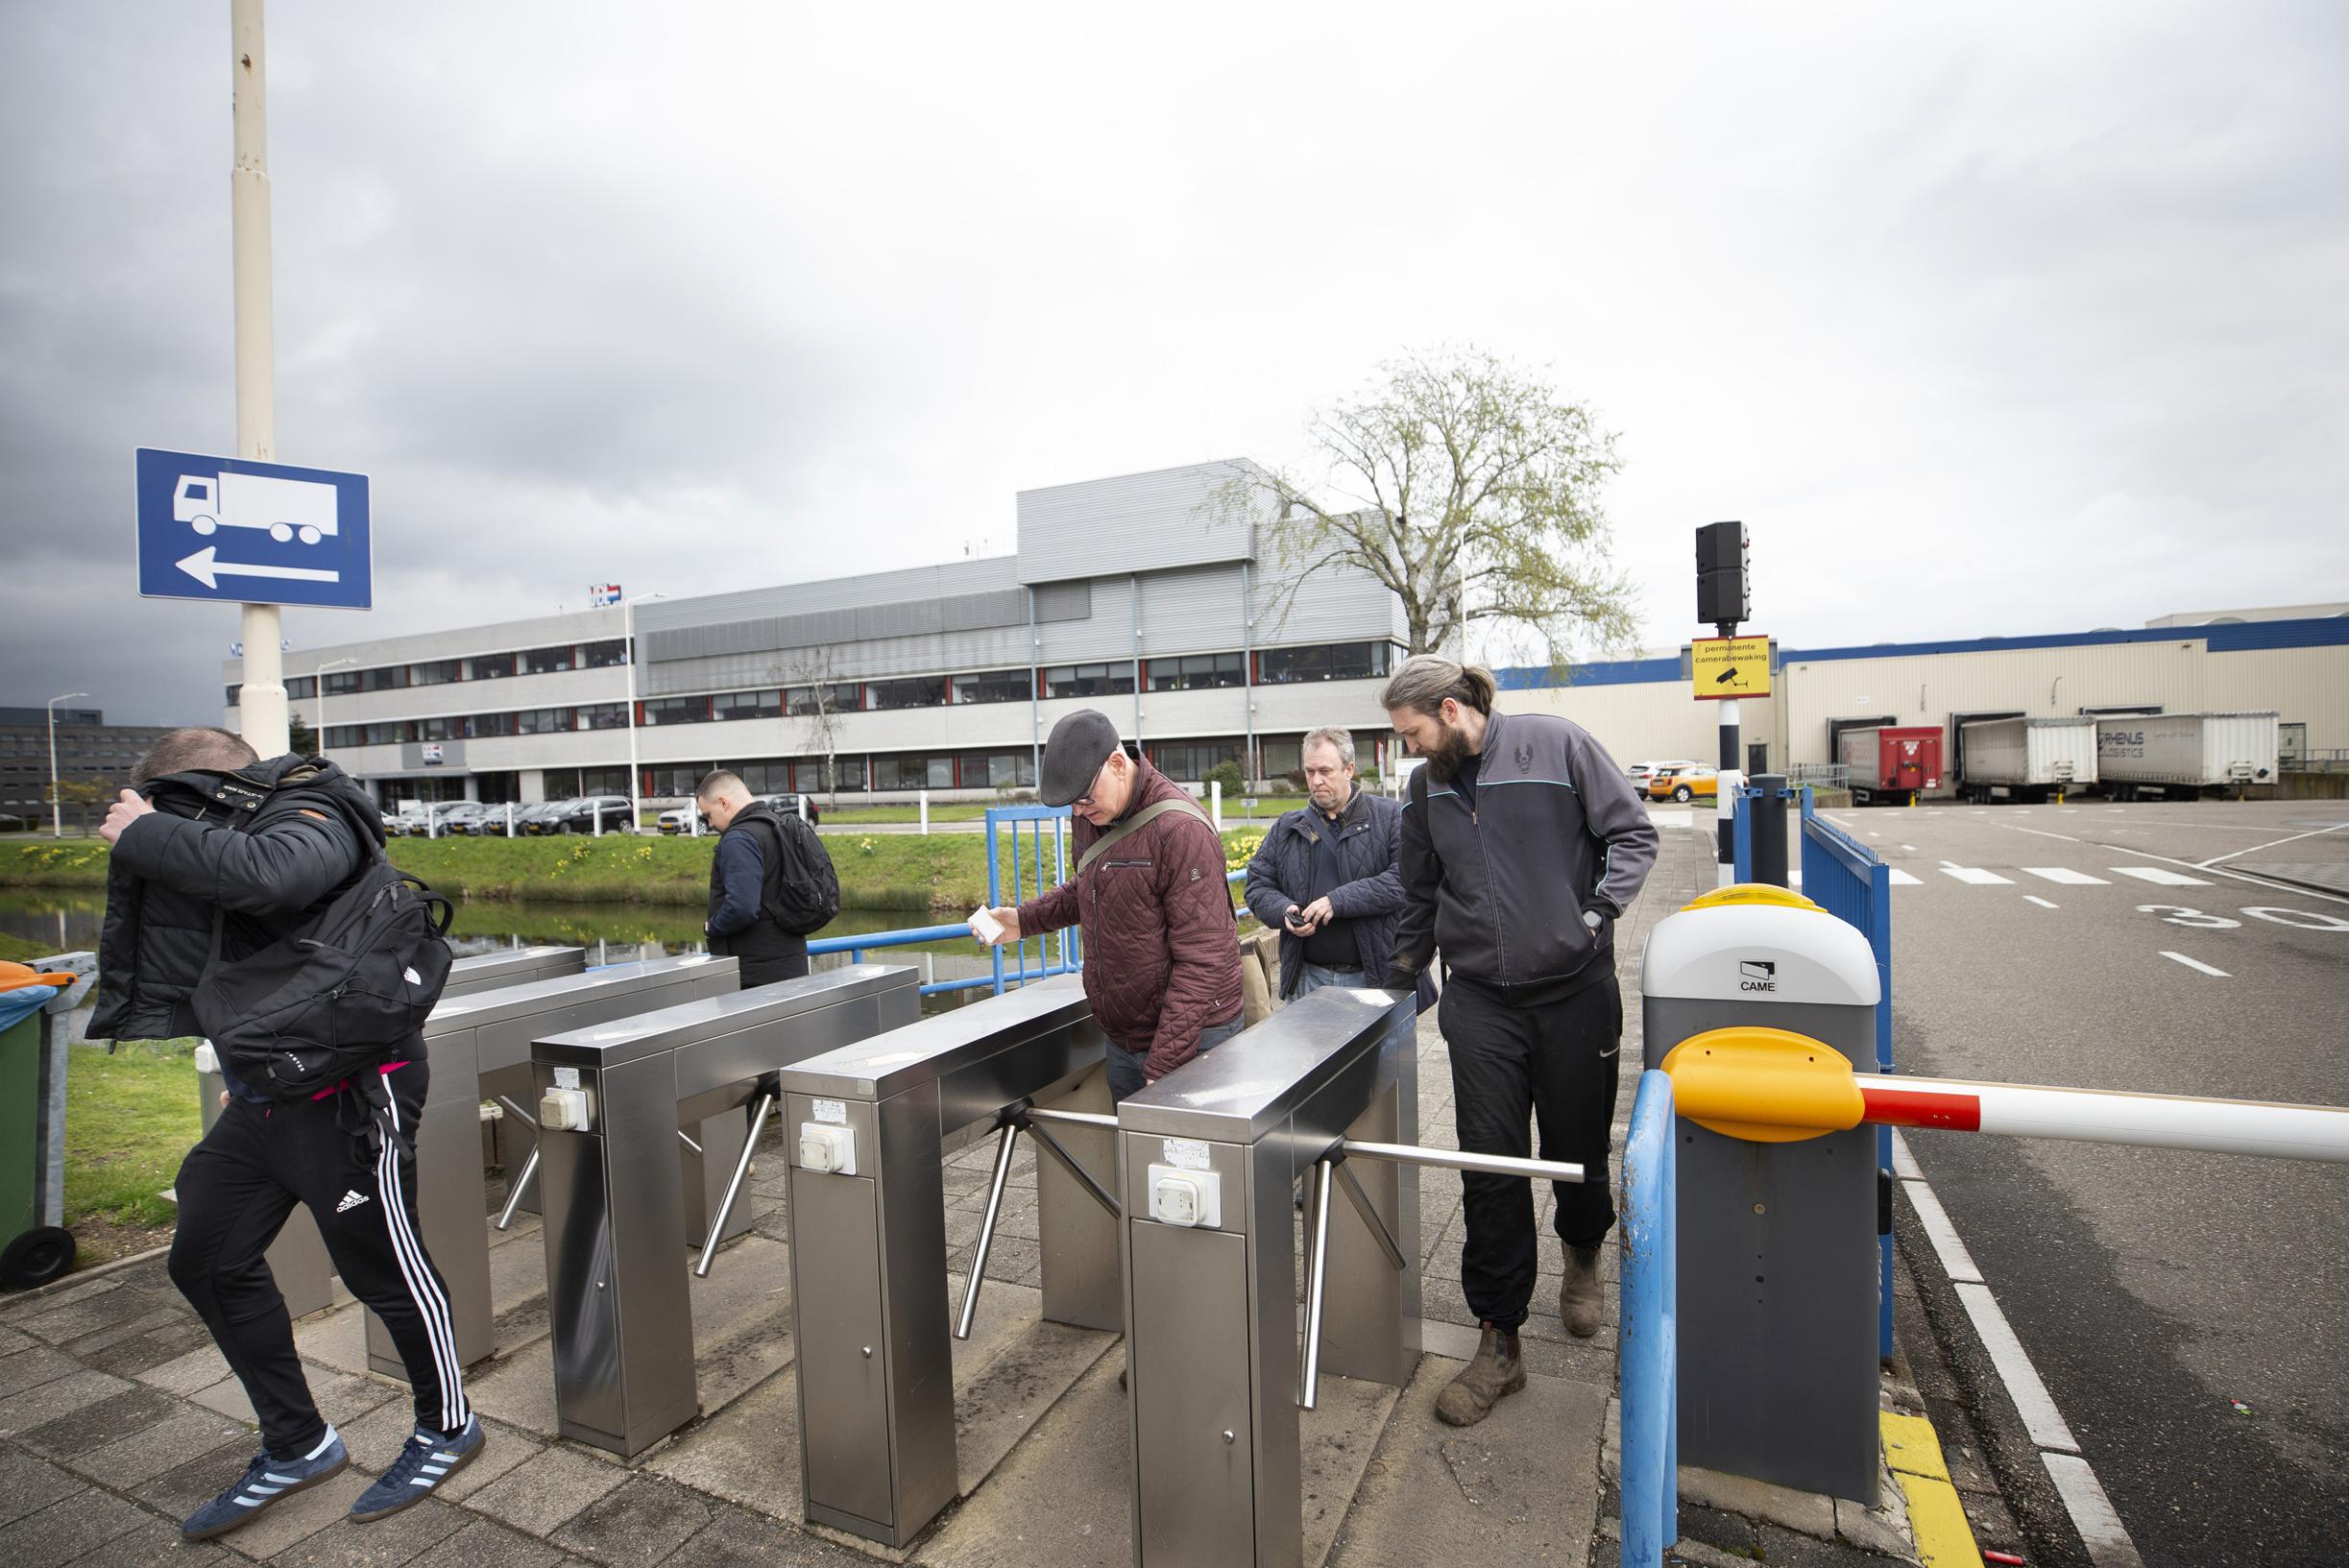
(1085, 802)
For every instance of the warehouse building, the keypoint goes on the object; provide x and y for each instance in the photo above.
(1155, 597)
(2295, 661)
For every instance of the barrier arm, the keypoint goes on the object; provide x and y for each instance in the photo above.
(1776, 1086)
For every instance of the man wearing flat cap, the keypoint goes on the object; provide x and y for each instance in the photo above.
(1162, 959)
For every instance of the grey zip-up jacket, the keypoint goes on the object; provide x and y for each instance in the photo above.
(1501, 887)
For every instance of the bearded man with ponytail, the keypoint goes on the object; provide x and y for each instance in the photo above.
(1522, 845)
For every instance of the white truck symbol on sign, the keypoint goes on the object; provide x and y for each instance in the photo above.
(283, 507)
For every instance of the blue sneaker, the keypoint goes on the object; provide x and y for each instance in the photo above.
(269, 1480)
(424, 1462)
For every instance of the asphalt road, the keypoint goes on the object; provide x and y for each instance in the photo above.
(2153, 1289)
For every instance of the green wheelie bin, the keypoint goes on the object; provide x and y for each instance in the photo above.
(32, 1252)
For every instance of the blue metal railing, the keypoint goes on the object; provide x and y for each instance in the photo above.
(1846, 880)
(1026, 881)
(1649, 1328)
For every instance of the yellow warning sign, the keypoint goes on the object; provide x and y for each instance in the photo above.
(1730, 666)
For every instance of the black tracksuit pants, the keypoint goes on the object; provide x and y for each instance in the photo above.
(236, 1188)
(1556, 1060)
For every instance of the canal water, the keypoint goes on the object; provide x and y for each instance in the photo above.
(612, 933)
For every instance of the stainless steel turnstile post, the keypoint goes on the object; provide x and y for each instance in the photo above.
(610, 1098)
(1208, 1157)
(515, 966)
(869, 1233)
(478, 1046)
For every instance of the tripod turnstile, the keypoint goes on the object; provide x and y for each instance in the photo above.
(610, 1098)
(868, 1234)
(478, 1046)
(515, 966)
(1209, 1156)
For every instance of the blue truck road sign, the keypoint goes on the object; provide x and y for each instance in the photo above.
(254, 533)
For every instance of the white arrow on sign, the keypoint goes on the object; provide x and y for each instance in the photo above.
(205, 569)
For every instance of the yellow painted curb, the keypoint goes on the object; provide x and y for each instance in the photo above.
(1937, 1517)
(1911, 1447)
(1945, 1540)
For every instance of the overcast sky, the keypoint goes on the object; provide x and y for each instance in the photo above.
(1988, 320)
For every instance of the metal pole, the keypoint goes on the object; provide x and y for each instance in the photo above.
(734, 1188)
(987, 1228)
(1767, 828)
(627, 616)
(261, 702)
(1454, 1159)
(1317, 1279)
(1725, 785)
(56, 799)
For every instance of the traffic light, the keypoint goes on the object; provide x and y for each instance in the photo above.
(1724, 597)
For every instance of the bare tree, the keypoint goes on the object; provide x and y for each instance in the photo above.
(820, 714)
(1468, 487)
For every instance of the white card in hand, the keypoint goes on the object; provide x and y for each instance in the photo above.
(986, 927)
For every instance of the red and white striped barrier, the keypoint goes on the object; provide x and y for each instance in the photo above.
(1774, 1085)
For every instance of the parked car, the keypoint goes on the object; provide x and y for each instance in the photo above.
(677, 819)
(543, 817)
(788, 805)
(405, 824)
(1685, 783)
(578, 816)
(489, 822)
(1642, 772)
(460, 816)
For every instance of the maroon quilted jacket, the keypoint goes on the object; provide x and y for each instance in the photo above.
(1162, 959)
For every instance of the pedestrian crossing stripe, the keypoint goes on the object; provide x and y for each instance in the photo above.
(1977, 876)
(2066, 876)
(2158, 877)
(1901, 879)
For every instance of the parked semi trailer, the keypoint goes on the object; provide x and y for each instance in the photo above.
(2026, 758)
(2185, 754)
(1889, 761)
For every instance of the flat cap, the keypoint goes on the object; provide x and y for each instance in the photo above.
(1075, 752)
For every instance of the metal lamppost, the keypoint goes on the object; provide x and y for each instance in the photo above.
(635, 779)
(320, 677)
(57, 802)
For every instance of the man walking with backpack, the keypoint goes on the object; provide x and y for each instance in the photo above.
(771, 883)
(249, 901)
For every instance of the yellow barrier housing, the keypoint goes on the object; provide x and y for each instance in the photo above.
(1765, 1086)
(1765, 893)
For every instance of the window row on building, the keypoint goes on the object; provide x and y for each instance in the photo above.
(609, 653)
(1188, 672)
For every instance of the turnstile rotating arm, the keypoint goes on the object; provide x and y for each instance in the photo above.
(1017, 1119)
(1003, 1145)
(734, 1188)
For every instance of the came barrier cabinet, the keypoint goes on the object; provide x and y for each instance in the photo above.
(513, 966)
(1778, 1251)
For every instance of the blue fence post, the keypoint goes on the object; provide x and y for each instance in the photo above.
(1741, 835)
(1649, 1328)
(995, 895)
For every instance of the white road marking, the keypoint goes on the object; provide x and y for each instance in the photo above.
(2196, 963)
(2039, 832)
(1875, 836)
(2033, 898)
(2066, 876)
(1955, 1260)
(1912, 848)
(1901, 879)
(2267, 882)
(1977, 876)
(2084, 1497)
(2032, 1402)
(2158, 877)
(2091, 1512)
(2256, 848)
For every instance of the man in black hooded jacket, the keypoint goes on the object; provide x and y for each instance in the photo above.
(214, 838)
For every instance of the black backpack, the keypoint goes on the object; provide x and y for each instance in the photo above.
(335, 998)
(803, 892)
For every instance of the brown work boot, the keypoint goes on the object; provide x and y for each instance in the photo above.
(1577, 1297)
(1496, 1371)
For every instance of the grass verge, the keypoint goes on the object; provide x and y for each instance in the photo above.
(131, 1116)
(883, 871)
